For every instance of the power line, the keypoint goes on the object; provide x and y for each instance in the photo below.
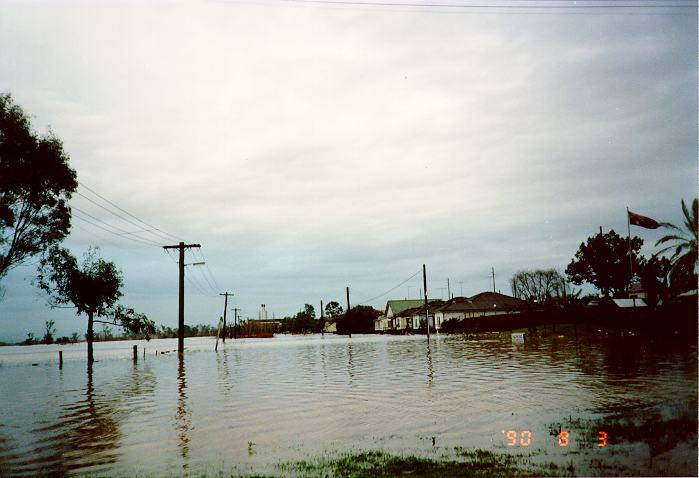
(390, 290)
(124, 233)
(140, 241)
(133, 223)
(126, 212)
(215, 285)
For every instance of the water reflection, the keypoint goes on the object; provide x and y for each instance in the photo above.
(430, 370)
(350, 368)
(87, 433)
(294, 397)
(183, 417)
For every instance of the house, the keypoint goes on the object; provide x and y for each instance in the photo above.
(480, 305)
(636, 291)
(629, 303)
(400, 314)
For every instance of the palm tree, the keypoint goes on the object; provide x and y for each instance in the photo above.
(683, 269)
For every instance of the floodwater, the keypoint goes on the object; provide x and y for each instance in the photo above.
(255, 404)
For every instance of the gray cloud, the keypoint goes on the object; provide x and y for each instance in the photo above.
(311, 148)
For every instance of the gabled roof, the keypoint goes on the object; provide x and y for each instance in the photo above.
(398, 306)
(627, 303)
(432, 305)
(484, 301)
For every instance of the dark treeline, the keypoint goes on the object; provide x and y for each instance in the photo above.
(358, 320)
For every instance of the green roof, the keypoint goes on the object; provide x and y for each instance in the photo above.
(398, 306)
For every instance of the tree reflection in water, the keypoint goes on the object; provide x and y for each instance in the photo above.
(87, 432)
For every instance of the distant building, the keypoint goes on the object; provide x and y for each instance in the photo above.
(480, 305)
(629, 303)
(636, 291)
(405, 315)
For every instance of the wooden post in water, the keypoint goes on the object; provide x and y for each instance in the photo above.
(427, 313)
(135, 353)
(349, 328)
(60, 359)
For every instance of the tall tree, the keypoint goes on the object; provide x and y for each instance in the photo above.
(683, 261)
(93, 288)
(539, 286)
(603, 261)
(358, 320)
(35, 186)
(332, 309)
(50, 330)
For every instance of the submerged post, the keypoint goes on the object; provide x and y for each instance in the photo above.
(135, 353)
(349, 327)
(60, 359)
(427, 313)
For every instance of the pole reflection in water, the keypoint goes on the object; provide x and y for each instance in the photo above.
(182, 416)
(350, 367)
(430, 370)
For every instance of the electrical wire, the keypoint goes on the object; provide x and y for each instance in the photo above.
(171, 236)
(367, 301)
(78, 216)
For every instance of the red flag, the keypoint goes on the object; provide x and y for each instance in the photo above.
(643, 221)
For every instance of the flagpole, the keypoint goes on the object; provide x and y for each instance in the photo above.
(628, 228)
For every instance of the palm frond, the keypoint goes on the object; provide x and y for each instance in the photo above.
(671, 237)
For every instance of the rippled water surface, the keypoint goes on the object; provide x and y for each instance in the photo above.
(257, 403)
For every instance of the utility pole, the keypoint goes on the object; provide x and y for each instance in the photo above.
(461, 284)
(225, 306)
(235, 323)
(322, 320)
(493, 269)
(349, 329)
(180, 316)
(427, 313)
(448, 290)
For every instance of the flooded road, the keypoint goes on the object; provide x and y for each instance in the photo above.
(257, 403)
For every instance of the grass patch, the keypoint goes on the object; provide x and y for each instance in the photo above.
(465, 463)
(659, 433)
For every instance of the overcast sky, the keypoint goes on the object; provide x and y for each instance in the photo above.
(308, 147)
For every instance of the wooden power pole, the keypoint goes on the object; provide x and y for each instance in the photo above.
(235, 322)
(225, 306)
(427, 313)
(180, 316)
(349, 328)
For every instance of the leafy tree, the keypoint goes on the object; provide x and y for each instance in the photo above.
(74, 337)
(332, 309)
(304, 321)
(603, 261)
(357, 320)
(683, 269)
(653, 274)
(50, 330)
(539, 286)
(35, 186)
(93, 288)
(30, 340)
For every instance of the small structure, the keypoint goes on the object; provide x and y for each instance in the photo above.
(330, 327)
(480, 305)
(404, 315)
(636, 291)
(629, 303)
